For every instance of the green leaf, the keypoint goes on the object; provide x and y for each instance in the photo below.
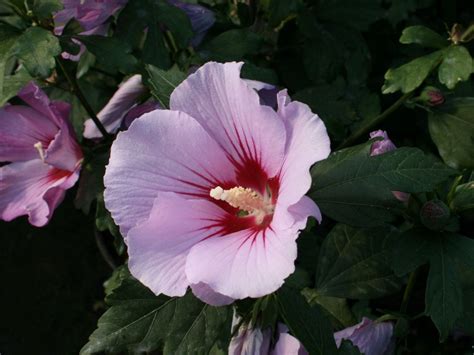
(140, 322)
(154, 49)
(463, 198)
(354, 263)
(335, 307)
(281, 10)
(163, 82)
(452, 130)
(347, 348)
(423, 36)
(443, 297)
(456, 66)
(411, 75)
(175, 20)
(12, 84)
(352, 187)
(233, 45)
(36, 49)
(400, 9)
(8, 38)
(44, 9)
(307, 323)
(356, 13)
(411, 249)
(111, 52)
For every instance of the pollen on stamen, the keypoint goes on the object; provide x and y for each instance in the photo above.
(239, 197)
(39, 147)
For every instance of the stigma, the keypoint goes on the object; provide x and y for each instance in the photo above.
(39, 147)
(245, 199)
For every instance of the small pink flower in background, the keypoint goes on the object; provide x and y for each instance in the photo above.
(372, 338)
(121, 109)
(211, 194)
(44, 156)
(255, 341)
(92, 15)
(383, 146)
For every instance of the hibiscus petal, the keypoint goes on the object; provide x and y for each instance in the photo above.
(32, 188)
(22, 128)
(370, 337)
(230, 111)
(161, 151)
(115, 110)
(288, 345)
(209, 296)
(307, 143)
(243, 264)
(159, 246)
(63, 152)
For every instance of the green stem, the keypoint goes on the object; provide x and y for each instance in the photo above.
(364, 129)
(77, 90)
(408, 291)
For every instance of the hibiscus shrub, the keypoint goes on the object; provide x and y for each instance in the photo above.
(237, 177)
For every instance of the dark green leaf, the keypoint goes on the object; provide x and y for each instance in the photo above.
(443, 297)
(44, 9)
(411, 249)
(400, 9)
(411, 75)
(452, 130)
(354, 263)
(463, 198)
(356, 13)
(175, 20)
(36, 48)
(233, 45)
(423, 36)
(354, 188)
(306, 322)
(138, 321)
(163, 82)
(12, 84)
(347, 348)
(111, 52)
(456, 66)
(282, 10)
(335, 307)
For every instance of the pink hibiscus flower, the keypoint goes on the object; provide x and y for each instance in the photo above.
(44, 156)
(211, 194)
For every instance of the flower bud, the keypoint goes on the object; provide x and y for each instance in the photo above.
(431, 96)
(434, 215)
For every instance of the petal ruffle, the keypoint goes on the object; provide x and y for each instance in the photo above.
(243, 264)
(230, 111)
(159, 246)
(307, 142)
(161, 151)
(32, 188)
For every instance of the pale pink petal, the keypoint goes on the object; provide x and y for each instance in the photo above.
(209, 296)
(372, 338)
(307, 143)
(303, 209)
(250, 341)
(22, 128)
(111, 116)
(243, 264)
(161, 151)
(288, 345)
(381, 146)
(64, 152)
(230, 111)
(159, 246)
(32, 188)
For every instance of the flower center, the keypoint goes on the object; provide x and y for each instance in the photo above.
(246, 200)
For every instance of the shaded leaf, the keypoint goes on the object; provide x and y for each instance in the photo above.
(354, 263)
(233, 45)
(307, 323)
(411, 75)
(456, 66)
(36, 49)
(452, 130)
(354, 188)
(163, 82)
(463, 198)
(423, 36)
(357, 13)
(138, 321)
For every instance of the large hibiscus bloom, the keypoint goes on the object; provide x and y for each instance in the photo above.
(211, 194)
(38, 141)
